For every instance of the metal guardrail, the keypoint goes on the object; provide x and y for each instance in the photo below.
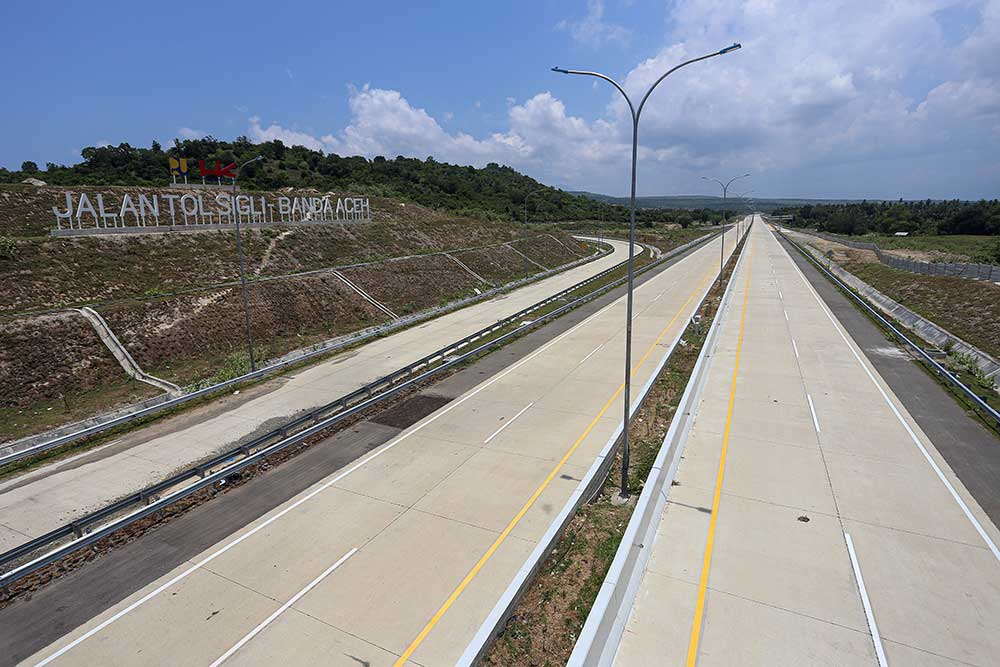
(311, 423)
(605, 624)
(354, 338)
(941, 370)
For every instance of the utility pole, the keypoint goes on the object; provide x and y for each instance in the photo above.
(243, 275)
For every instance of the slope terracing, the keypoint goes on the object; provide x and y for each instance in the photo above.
(174, 301)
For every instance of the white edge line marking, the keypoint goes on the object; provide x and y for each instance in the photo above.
(913, 436)
(795, 348)
(507, 423)
(592, 353)
(282, 609)
(876, 638)
(779, 295)
(786, 314)
(812, 409)
(330, 482)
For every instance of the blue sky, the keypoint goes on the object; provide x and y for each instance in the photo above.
(845, 98)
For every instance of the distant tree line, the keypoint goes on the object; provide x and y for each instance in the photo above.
(916, 217)
(493, 192)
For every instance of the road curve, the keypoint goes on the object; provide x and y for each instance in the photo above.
(406, 551)
(35, 503)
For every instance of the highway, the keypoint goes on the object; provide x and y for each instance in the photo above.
(57, 493)
(398, 557)
(812, 520)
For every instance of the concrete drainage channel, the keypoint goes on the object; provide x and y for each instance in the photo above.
(34, 445)
(623, 577)
(885, 322)
(89, 529)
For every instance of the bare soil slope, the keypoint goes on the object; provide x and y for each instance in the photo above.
(174, 301)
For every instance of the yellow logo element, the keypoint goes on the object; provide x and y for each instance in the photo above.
(179, 167)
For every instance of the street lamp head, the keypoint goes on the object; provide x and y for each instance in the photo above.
(730, 49)
(560, 70)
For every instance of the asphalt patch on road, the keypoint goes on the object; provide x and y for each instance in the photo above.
(411, 410)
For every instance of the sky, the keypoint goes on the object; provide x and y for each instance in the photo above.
(840, 98)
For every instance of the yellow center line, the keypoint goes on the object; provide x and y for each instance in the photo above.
(531, 501)
(699, 610)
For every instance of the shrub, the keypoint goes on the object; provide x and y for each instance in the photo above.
(8, 248)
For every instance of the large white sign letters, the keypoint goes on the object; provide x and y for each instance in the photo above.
(97, 215)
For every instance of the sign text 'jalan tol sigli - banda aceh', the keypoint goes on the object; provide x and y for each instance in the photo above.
(97, 214)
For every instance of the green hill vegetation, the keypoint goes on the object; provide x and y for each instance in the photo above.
(926, 217)
(494, 192)
(709, 202)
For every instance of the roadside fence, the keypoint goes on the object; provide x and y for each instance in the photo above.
(951, 269)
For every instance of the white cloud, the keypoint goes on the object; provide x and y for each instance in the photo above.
(825, 99)
(190, 133)
(592, 30)
(273, 131)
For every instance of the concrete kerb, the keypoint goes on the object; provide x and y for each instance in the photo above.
(585, 490)
(64, 435)
(121, 353)
(602, 631)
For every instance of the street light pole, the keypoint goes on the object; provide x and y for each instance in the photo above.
(725, 189)
(526, 203)
(739, 224)
(243, 275)
(636, 112)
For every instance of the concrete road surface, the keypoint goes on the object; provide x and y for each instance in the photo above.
(33, 504)
(398, 558)
(812, 521)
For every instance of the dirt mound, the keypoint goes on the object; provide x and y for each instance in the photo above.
(498, 264)
(43, 358)
(181, 338)
(174, 300)
(547, 251)
(415, 284)
(50, 273)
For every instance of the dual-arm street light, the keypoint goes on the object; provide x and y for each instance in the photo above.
(243, 275)
(725, 189)
(636, 112)
(739, 224)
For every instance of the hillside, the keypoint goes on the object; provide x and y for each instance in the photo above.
(494, 192)
(173, 299)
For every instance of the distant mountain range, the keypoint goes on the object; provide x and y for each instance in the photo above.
(707, 201)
